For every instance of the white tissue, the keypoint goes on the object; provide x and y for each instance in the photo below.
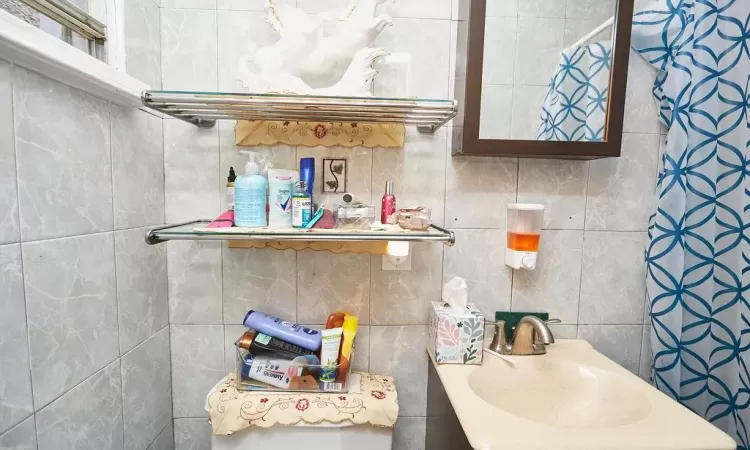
(455, 294)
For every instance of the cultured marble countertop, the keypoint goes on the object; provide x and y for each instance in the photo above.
(665, 425)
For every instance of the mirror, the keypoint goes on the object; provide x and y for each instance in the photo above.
(546, 69)
(542, 72)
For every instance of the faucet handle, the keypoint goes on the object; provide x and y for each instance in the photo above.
(549, 321)
(498, 340)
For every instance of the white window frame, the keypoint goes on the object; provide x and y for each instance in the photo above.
(30, 47)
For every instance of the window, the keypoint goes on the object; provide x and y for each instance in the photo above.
(72, 21)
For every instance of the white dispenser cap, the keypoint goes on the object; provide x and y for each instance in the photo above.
(252, 166)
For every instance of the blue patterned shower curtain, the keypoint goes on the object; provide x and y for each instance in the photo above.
(575, 107)
(698, 260)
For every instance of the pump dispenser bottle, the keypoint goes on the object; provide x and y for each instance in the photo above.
(250, 195)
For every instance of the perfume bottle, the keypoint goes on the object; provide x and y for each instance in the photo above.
(388, 206)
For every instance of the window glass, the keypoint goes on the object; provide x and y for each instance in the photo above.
(94, 12)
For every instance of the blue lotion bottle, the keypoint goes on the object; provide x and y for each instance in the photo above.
(250, 196)
(307, 173)
(286, 331)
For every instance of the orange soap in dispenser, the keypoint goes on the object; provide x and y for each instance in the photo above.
(347, 344)
(524, 228)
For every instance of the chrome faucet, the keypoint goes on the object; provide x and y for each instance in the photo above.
(530, 338)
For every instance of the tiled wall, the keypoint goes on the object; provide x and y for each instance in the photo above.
(84, 341)
(522, 49)
(589, 273)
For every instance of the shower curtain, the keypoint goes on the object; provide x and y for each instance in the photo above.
(576, 103)
(698, 260)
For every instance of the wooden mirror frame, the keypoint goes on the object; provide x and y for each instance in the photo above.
(468, 92)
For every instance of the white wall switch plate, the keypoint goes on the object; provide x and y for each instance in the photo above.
(397, 262)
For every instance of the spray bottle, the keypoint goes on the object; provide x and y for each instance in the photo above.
(251, 195)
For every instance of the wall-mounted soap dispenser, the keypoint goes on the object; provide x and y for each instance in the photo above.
(524, 227)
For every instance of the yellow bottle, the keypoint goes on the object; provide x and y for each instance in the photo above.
(347, 344)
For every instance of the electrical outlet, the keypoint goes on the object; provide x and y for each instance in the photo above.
(397, 262)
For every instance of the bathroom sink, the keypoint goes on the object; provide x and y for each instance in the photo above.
(574, 395)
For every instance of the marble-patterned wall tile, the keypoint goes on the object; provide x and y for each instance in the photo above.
(260, 279)
(501, 34)
(409, 433)
(197, 365)
(241, 5)
(478, 191)
(88, 417)
(20, 437)
(452, 67)
(191, 168)
(71, 307)
(541, 8)
(146, 391)
(644, 369)
(403, 297)
(328, 282)
(620, 343)
(165, 439)
(62, 147)
(496, 112)
(419, 60)
(600, 10)
(142, 36)
(142, 306)
(194, 280)
(361, 361)
(560, 331)
(560, 186)
(359, 173)
(554, 285)
(188, 48)
(641, 110)
(9, 226)
(479, 258)
(613, 278)
(621, 190)
(502, 8)
(400, 352)
(192, 434)
(527, 104)
(538, 50)
(137, 168)
(417, 170)
(241, 34)
(192, 4)
(15, 388)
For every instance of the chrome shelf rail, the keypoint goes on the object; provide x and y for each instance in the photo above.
(192, 231)
(205, 108)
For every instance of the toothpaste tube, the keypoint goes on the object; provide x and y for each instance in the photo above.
(329, 353)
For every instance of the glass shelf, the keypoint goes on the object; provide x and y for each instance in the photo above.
(196, 230)
(205, 108)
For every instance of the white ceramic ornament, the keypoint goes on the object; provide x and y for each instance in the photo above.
(317, 54)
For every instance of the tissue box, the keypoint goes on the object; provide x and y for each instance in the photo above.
(456, 339)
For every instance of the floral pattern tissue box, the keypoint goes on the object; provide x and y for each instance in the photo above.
(456, 339)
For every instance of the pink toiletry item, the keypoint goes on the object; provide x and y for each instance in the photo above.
(225, 220)
(326, 221)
